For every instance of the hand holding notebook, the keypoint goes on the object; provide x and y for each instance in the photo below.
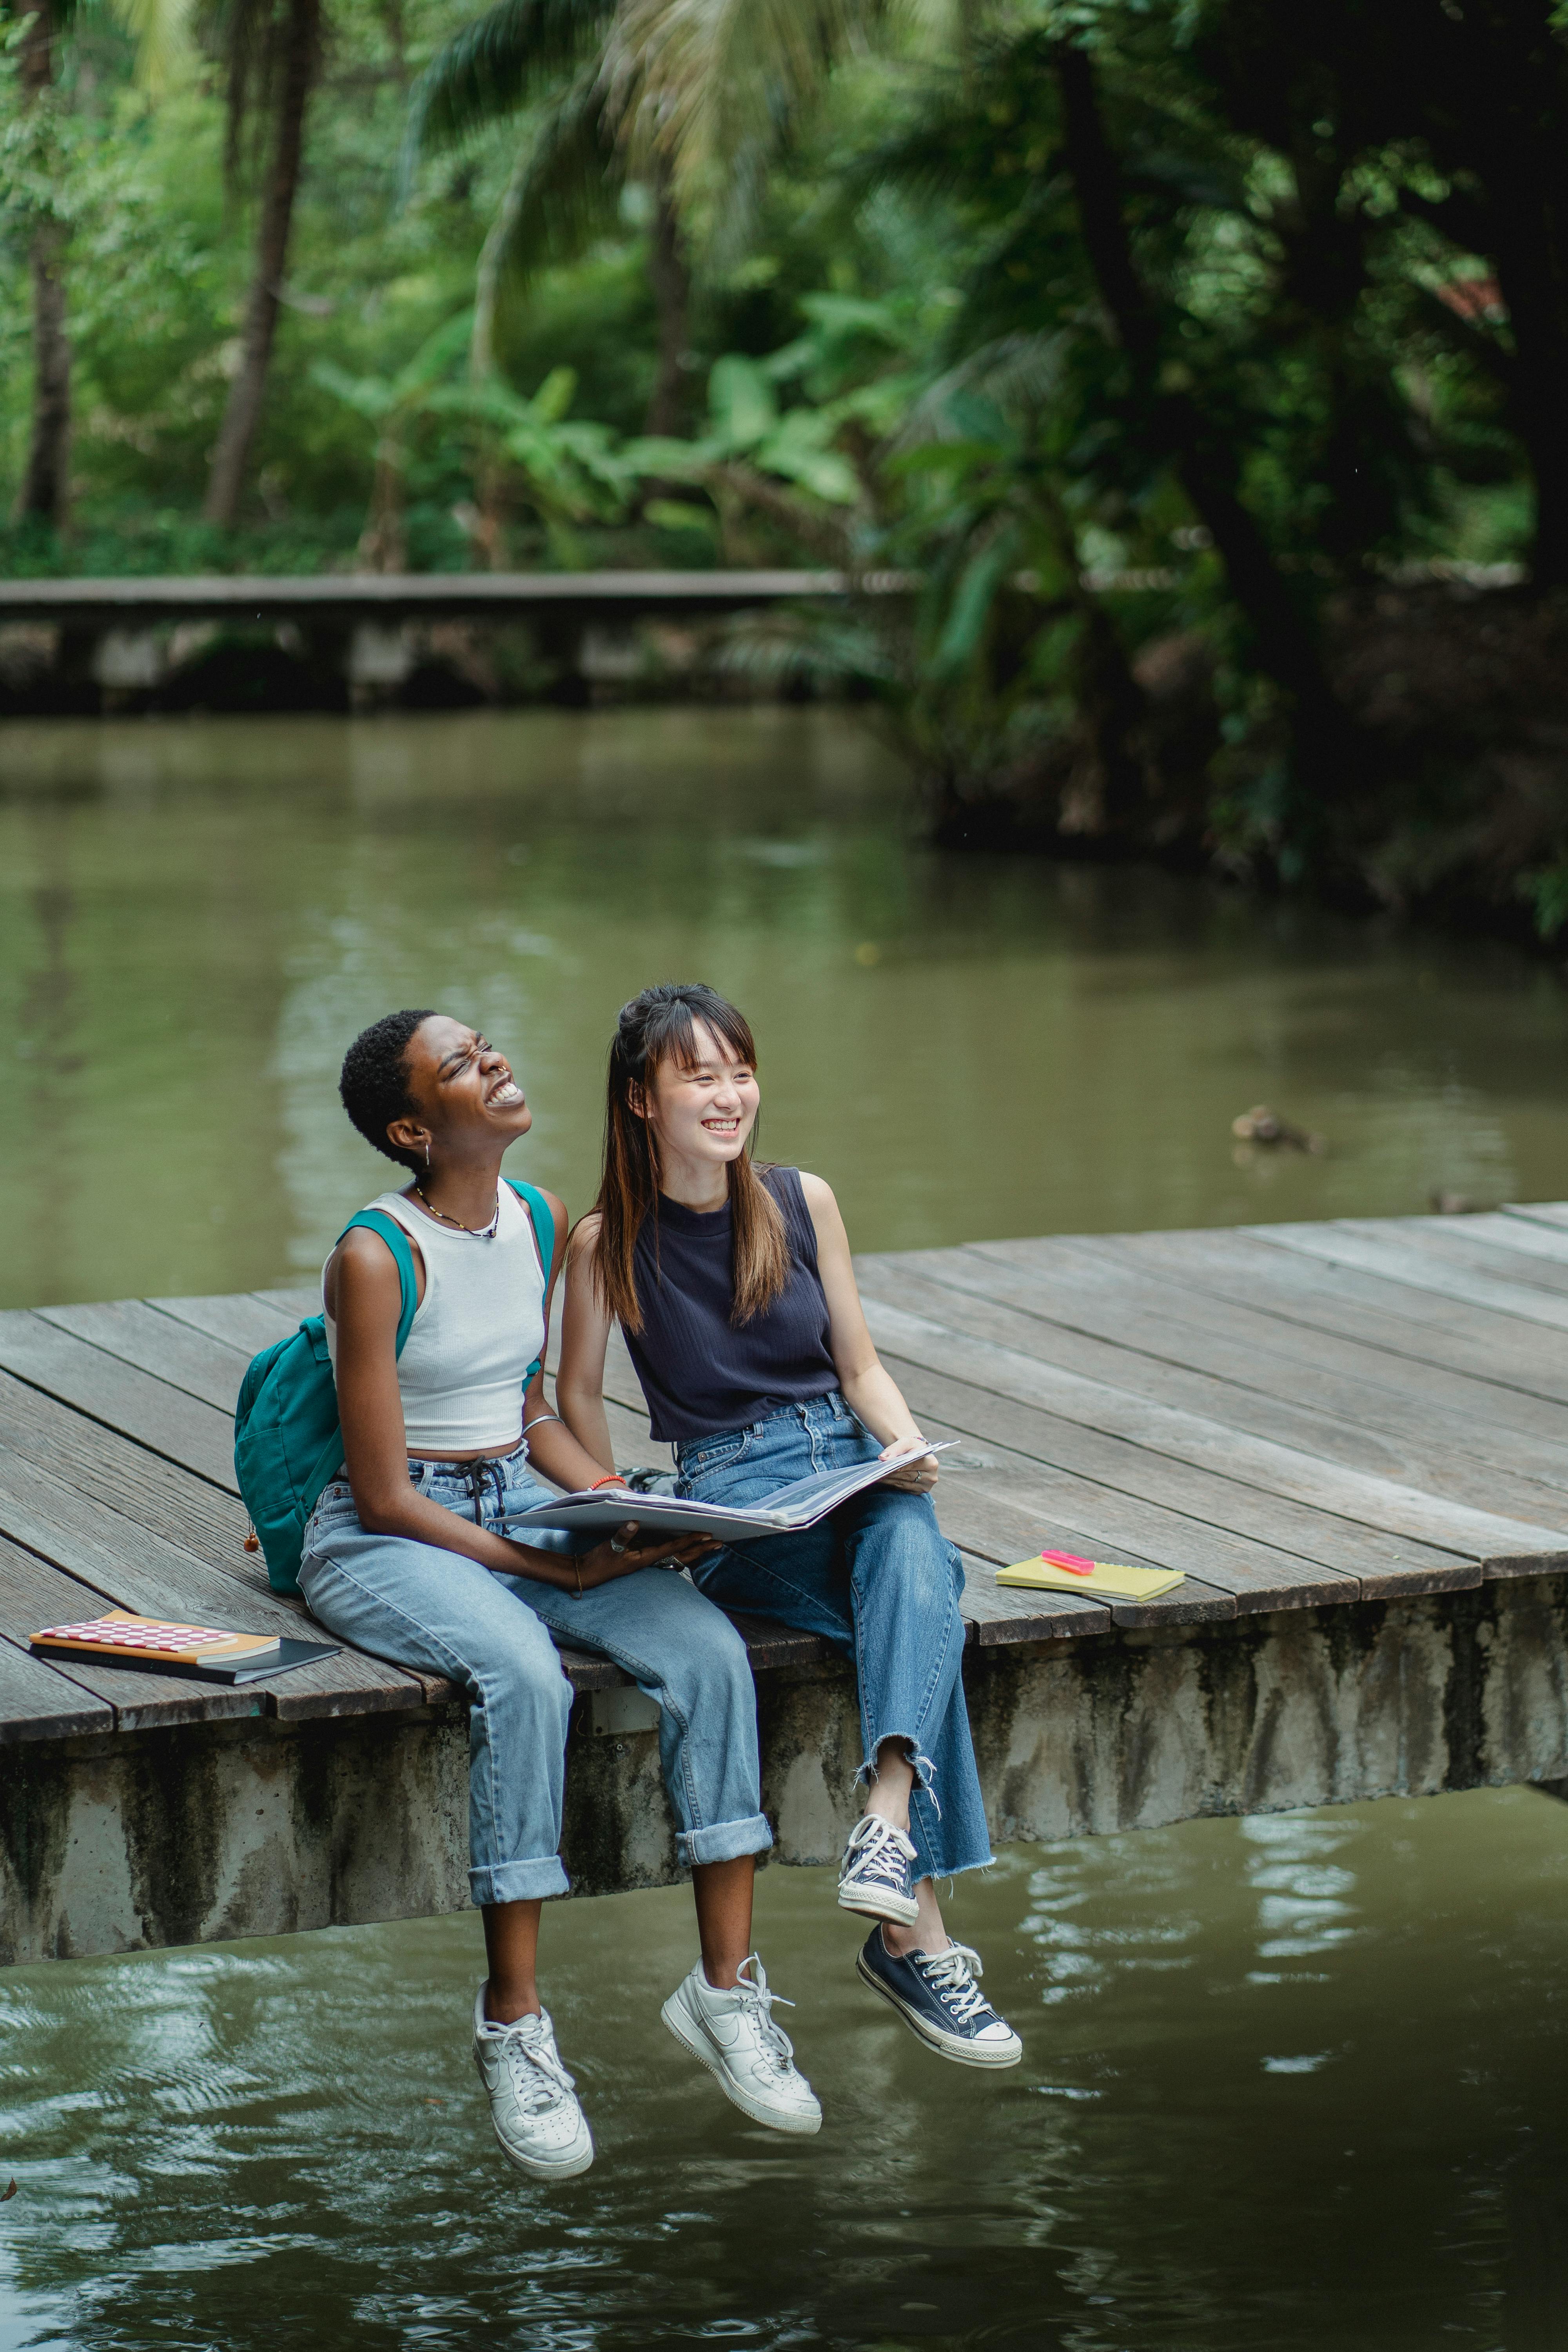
(785, 1511)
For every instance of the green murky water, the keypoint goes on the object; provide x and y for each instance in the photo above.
(1289, 2083)
(194, 917)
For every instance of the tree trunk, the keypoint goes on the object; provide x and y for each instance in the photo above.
(46, 482)
(671, 283)
(242, 412)
(1286, 643)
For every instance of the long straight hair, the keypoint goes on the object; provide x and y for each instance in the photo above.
(655, 1027)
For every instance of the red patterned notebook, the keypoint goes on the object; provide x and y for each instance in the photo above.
(118, 1635)
(162, 1646)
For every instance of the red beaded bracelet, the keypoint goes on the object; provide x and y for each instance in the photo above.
(614, 1479)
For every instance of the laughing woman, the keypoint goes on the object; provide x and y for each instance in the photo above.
(405, 1557)
(734, 1289)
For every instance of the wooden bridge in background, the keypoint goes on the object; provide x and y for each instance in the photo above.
(347, 597)
(1351, 1437)
(363, 634)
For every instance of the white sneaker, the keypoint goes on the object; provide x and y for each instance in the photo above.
(533, 2101)
(734, 2034)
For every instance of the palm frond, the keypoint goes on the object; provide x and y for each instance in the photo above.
(1018, 373)
(499, 64)
(701, 82)
(563, 192)
(160, 30)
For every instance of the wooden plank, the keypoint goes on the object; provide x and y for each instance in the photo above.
(35, 1594)
(167, 1420)
(1552, 1214)
(294, 1301)
(1267, 1550)
(137, 1569)
(1408, 1325)
(1162, 1341)
(241, 1320)
(1250, 1309)
(634, 1448)
(37, 1703)
(1510, 1229)
(1402, 1262)
(1382, 1505)
(159, 1495)
(1453, 1241)
(137, 1334)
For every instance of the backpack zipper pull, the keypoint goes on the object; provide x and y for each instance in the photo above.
(252, 1540)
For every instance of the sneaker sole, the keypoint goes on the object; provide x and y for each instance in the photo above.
(946, 2045)
(565, 2170)
(901, 1909)
(692, 2042)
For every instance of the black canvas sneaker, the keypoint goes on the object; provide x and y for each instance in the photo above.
(937, 1997)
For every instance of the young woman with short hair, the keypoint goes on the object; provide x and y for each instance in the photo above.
(405, 1557)
(734, 1289)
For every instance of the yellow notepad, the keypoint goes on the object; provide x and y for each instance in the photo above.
(1046, 1573)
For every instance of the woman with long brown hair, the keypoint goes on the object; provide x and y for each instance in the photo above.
(733, 1286)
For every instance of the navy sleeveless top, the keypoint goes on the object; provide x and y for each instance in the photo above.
(701, 1372)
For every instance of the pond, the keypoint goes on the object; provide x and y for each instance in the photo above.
(1287, 2081)
(197, 918)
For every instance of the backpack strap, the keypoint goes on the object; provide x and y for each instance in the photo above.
(541, 1217)
(376, 1220)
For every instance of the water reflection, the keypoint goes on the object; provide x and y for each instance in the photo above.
(195, 916)
(1212, 2143)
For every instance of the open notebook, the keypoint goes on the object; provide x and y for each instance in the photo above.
(783, 1512)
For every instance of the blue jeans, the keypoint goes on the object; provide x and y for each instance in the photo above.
(418, 1605)
(882, 1581)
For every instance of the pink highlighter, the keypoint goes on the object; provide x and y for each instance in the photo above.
(1074, 1563)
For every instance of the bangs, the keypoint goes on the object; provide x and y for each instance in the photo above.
(671, 1033)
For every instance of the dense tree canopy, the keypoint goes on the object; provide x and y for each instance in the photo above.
(1179, 347)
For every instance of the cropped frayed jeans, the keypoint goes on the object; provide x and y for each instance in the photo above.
(439, 1612)
(879, 1581)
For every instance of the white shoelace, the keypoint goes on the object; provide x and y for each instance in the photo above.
(879, 1854)
(538, 2076)
(760, 1998)
(951, 1976)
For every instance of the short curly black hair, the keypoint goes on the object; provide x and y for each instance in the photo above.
(374, 1081)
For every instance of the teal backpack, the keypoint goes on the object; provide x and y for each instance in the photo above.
(286, 1442)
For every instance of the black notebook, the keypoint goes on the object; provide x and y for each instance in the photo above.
(157, 1645)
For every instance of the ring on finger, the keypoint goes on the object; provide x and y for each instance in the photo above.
(616, 1545)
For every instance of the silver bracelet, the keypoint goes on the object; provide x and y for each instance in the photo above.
(538, 1422)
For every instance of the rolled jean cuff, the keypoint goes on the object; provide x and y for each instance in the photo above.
(519, 1881)
(723, 1841)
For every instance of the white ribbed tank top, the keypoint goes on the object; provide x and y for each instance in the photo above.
(479, 1327)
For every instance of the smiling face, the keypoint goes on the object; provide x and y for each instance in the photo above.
(465, 1096)
(703, 1112)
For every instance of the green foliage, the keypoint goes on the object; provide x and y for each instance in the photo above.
(1196, 346)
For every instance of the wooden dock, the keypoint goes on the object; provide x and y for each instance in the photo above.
(135, 600)
(1352, 1437)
